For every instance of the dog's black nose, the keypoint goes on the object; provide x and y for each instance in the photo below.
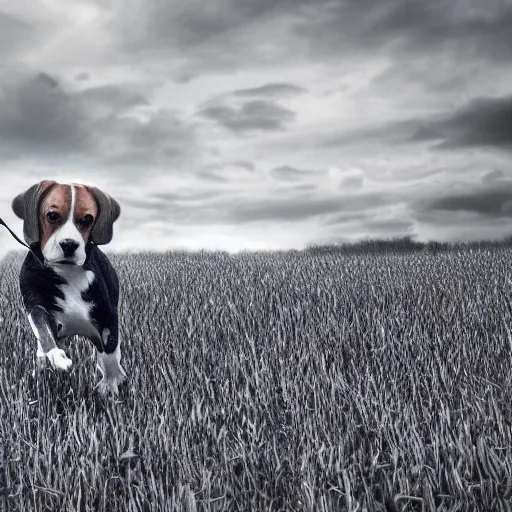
(69, 246)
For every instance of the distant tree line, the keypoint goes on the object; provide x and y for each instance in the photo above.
(406, 244)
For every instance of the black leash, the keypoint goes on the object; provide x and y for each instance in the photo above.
(20, 241)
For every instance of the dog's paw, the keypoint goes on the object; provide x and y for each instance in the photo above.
(110, 384)
(59, 359)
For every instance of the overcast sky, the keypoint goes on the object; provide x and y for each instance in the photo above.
(247, 124)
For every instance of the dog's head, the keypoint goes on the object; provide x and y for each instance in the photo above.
(64, 218)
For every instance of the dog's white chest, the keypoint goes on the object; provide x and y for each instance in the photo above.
(74, 317)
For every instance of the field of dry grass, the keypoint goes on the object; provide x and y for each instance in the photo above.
(288, 381)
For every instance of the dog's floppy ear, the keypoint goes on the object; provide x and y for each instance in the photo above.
(26, 207)
(108, 212)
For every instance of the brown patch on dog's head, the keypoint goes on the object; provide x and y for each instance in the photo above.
(53, 211)
(26, 207)
(86, 211)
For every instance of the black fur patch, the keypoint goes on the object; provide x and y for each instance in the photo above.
(39, 287)
(38, 284)
(104, 293)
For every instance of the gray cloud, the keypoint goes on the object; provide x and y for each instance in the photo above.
(411, 27)
(301, 190)
(264, 31)
(212, 207)
(490, 201)
(188, 194)
(256, 115)
(41, 118)
(193, 38)
(352, 183)
(82, 76)
(240, 165)
(211, 176)
(368, 223)
(15, 36)
(110, 96)
(388, 227)
(164, 139)
(305, 187)
(183, 207)
(191, 25)
(295, 209)
(224, 171)
(271, 90)
(36, 115)
(483, 122)
(346, 217)
(159, 200)
(459, 224)
(284, 210)
(493, 176)
(288, 173)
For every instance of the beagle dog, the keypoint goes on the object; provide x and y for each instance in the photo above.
(68, 285)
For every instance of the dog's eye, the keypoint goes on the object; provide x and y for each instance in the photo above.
(86, 221)
(53, 216)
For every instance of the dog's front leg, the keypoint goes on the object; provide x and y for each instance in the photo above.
(109, 362)
(45, 330)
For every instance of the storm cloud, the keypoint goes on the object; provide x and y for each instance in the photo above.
(288, 173)
(279, 121)
(485, 122)
(255, 115)
(293, 209)
(271, 90)
(490, 201)
(268, 31)
(482, 122)
(40, 117)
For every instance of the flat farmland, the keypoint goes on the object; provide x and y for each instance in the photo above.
(272, 381)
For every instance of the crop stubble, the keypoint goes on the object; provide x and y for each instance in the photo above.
(285, 381)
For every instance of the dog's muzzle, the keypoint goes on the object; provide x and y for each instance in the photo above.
(69, 246)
